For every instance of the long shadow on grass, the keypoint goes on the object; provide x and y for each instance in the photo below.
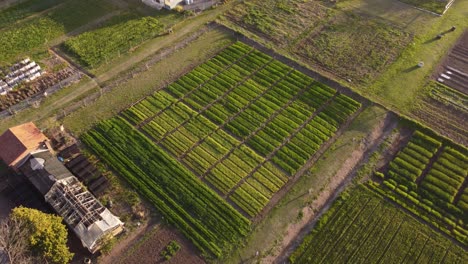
(410, 69)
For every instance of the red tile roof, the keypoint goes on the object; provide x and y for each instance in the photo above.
(17, 142)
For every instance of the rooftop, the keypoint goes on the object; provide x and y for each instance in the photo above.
(43, 169)
(17, 142)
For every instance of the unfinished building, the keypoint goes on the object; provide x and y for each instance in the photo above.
(25, 149)
(83, 213)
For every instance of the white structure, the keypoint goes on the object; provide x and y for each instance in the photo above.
(90, 221)
(83, 213)
(23, 71)
(169, 4)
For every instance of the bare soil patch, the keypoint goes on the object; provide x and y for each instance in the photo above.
(149, 250)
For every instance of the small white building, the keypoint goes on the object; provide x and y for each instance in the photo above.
(169, 4)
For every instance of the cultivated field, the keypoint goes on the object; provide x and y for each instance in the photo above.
(117, 36)
(349, 45)
(428, 176)
(31, 36)
(237, 118)
(362, 227)
(444, 110)
(242, 124)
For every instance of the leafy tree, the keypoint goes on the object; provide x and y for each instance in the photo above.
(47, 235)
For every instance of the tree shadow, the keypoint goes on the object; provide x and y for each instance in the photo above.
(430, 40)
(410, 69)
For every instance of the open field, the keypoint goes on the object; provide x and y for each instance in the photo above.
(23, 10)
(362, 227)
(32, 36)
(399, 85)
(348, 45)
(428, 176)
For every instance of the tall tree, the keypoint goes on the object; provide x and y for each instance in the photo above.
(14, 241)
(47, 236)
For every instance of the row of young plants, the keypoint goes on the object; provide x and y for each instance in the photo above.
(255, 193)
(308, 140)
(361, 227)
(434, 198)
(208, 69)
(97, 46)
(271, 103)
(147, 108)
(198, 212)
(224, 81)
(463, 202)
(32, 35)
(410, 162)
(446, 176)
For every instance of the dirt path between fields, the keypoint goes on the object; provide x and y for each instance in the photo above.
(297, 231)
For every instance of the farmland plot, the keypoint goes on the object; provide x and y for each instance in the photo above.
(362, 227)
(34, 34)
(23, 10)
(348, 45)
(123, 32)
(199, 213)
(429, 178)
(243, 122)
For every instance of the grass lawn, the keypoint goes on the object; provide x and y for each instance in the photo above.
(268, 234)
(399, 87)
(437, 6)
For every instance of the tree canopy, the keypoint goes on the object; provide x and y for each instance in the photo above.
(46, 234)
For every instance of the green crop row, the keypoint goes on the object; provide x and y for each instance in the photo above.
(203, 217)
(95, 47)
(413, 159)
(443, 216)
(365, 228)
(249, 199)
